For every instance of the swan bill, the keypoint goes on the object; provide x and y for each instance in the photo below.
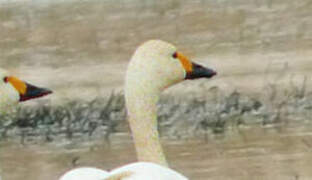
(33, 92)
(25, 90)
(199, 71)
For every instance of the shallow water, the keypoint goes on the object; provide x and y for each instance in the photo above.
(245, 153)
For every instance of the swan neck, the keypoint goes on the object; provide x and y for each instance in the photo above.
(142, 112)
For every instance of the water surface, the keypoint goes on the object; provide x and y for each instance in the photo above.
(246, 153)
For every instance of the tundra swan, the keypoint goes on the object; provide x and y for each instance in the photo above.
(13, 90)
(154, 66)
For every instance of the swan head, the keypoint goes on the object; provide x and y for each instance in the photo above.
(154, 66)
(14, 90)
(161, 65)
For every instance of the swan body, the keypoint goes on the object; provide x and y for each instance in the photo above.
(154, 66)
(133, 171)
(85, 173)
(144, 171)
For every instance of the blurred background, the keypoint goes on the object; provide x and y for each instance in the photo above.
(252, 121)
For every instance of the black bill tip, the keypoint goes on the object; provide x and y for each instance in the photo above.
(33, 92)
(199, 71)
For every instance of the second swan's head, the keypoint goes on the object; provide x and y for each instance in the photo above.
(13, 90)
(160, 64)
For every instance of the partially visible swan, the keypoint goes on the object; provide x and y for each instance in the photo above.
(13, 90)
(154, 66)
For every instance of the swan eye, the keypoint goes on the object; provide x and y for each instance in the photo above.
(6, 79)
(175, 55)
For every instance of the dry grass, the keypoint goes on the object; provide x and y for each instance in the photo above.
(177, 118)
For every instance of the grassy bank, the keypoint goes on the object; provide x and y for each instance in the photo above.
(178, 118)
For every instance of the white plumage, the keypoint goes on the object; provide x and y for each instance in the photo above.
(85, 173)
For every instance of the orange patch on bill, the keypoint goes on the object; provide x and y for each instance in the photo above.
(19, 85)
(187, 64)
